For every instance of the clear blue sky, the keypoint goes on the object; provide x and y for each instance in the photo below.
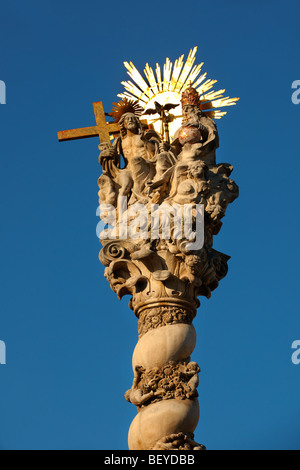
(69, 340)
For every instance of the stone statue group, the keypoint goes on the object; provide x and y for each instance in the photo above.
(164, 276)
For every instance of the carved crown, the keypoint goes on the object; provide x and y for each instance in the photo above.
(190, 96)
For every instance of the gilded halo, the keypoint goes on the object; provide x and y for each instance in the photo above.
(168, 86)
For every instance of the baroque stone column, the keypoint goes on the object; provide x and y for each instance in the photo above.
(150, 255)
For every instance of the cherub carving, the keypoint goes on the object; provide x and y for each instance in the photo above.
(135, 395)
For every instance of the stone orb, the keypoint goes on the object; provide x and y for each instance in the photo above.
(163, 344)
(161, 419)
(190, 135)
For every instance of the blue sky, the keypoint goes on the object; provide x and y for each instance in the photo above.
(69, 340)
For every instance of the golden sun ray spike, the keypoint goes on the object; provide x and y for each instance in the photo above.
(166, 84)
(186, 70)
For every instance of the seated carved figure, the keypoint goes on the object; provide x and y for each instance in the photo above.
(197, 138)
(195, 145)
(143, 154)
(137, 151)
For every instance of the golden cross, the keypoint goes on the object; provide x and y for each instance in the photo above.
(102, 129)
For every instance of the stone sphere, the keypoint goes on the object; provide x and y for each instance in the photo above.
(190, 135)
(161, 419)
(167, 343)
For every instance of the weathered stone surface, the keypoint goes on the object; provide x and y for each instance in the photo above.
(168, 343)
(161, 262)
(161, 419)
(174, 379)
(155, 192)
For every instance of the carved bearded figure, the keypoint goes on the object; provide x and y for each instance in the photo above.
(137, 152)
(143, 154)
(197, 138)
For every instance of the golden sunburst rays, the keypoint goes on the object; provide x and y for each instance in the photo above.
(167, 85)
(125, 106)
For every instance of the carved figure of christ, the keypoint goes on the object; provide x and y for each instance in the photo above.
(133, 144)
(137, 152)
